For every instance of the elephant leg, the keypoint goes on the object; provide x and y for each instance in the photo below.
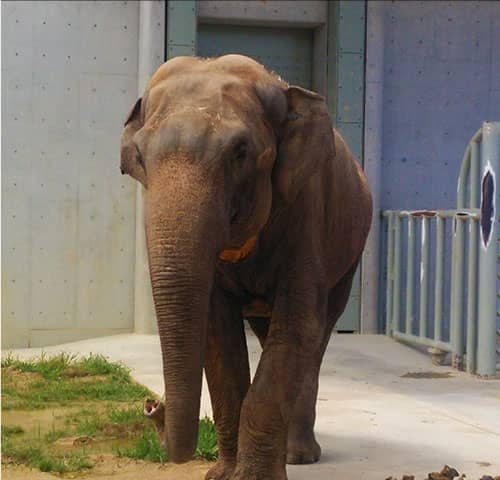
(298, 322)
(228, 377)
(302, 447)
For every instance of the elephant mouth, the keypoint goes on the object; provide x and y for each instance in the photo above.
(150, 407)
(155, 411)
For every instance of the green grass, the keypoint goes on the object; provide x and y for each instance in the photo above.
(129, 415)
(146, 447)
(64, 365)
(48, 367)
(109, 421)
(111, 407)
(37, 457)
(54, 435)
(89, 426)
(70, 462)
(207, 440)
(8, 430)
(63, 379)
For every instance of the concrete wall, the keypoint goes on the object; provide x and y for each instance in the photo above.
(432, 78)
(441, 76)
(68, 218)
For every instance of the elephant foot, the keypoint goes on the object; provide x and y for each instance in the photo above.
(222, 470)
(302, 450)
(249, 473)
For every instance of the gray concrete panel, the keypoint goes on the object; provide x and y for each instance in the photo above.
(70, 75)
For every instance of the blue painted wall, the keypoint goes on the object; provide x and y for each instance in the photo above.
(441, 80)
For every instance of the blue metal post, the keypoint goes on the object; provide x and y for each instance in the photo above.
(390, 274)
(486, 335)
(181, 28)
(457, 291)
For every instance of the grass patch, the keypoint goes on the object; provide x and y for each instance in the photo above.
(109, 410)
(54, 435)
(207, 440)
(38, 457)
(110, 421)
(8, 430)
(89, 426)
(146, 447)
(63, 379)
(129, 415)
(48, 367)
(98, 365)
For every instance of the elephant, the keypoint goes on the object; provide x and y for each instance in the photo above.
(255, 209)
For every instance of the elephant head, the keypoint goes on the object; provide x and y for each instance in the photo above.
(215, 143)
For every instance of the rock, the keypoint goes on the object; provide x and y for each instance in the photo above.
(449, 472)
(74, 441)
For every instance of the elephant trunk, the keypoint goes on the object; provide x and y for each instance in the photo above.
(182, 251)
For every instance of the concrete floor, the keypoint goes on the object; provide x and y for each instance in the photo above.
(371, 422)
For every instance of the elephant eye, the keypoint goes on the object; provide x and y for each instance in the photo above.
(240, 150)
(139, 158)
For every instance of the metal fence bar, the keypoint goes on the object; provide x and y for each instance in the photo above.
(456, 307)
(409, 274)
(466, 168)
(471, 212)
(471, 339)
(390, 274)
(396, 288)
(486, 335)
(475, 165)
(427, 342)
(438, 295)
(424, 273)
(471, 299)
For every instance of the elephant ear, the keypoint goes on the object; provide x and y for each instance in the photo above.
(305, 135)
(305, 141)
(131, 162)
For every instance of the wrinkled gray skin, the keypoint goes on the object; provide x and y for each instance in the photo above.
(254, 207)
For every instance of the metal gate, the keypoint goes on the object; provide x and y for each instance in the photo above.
(449, 260)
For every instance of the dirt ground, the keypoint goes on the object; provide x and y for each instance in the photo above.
(82, 422)
(110, 467)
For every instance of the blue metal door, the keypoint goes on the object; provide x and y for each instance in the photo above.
(286, 51)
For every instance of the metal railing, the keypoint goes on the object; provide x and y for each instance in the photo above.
(456, 255)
